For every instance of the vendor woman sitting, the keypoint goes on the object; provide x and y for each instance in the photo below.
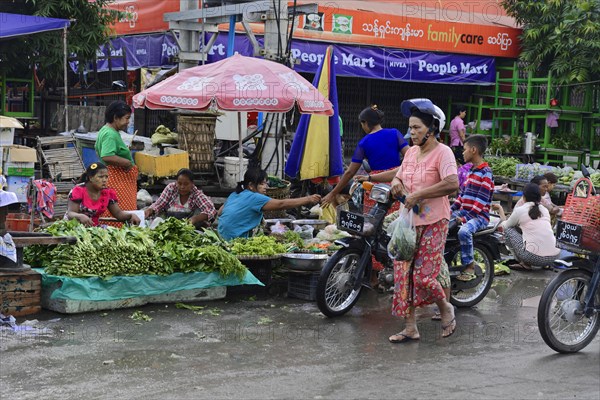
(182, 199)
(91, 198)
(242, 213)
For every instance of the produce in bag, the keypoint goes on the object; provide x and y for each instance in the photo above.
(316, 210)
(279, 228)
(331, 233)
(305, 231)
(404, 237)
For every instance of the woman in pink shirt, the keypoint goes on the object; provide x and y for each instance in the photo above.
(426, 177)
(536, 246)
(457, 133)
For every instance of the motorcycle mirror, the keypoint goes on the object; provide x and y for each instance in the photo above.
(585, 171)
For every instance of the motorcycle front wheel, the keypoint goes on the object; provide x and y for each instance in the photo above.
(472, 296)
(560, 313)
(335, 289)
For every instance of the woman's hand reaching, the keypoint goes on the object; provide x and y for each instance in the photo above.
(135, 220)
(148, 212)
(85, 220)
(314, 198)
(328, 199)
(398, 189)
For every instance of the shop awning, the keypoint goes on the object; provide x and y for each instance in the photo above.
(13, 25)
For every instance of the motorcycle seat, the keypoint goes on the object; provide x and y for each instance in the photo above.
(491, 228)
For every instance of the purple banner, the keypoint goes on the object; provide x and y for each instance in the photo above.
(150, 51)
(157, 50)
(380, 63)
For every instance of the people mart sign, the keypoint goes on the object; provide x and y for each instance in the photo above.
(158, 50)
(379, 63)
(451, 30)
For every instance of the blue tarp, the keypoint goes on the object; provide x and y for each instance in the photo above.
(125, 287)
(13, 25)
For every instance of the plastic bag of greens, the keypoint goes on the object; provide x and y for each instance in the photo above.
(404, 237)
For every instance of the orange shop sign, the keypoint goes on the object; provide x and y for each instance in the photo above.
(143, 16)
(398, 31)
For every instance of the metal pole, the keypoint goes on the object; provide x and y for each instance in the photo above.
(187, 37)
(240, 149)
(276, 29)
(65, 82)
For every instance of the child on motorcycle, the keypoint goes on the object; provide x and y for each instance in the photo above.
(471, 209)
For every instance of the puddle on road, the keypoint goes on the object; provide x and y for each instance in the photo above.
(519, 291)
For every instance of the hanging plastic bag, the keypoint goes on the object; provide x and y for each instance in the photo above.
(404, 237)
(316, 210)
(8, 248)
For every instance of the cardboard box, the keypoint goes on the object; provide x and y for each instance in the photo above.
(151, 163)
(19, 154)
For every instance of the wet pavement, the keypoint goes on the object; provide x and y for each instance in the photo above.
(259, 346)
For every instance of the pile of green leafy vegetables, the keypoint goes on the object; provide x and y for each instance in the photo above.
(174, 246)
(503, 166)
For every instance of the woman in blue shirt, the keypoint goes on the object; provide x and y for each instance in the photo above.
(383, 148)
(242, 213)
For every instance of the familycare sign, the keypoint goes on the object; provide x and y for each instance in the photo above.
(450, 28)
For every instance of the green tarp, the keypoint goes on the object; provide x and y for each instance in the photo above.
(125, 287)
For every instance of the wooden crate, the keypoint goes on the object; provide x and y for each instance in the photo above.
(20, 293)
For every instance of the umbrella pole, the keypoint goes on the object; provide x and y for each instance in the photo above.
(240, 149)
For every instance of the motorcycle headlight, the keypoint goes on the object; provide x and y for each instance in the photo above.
(380, 193)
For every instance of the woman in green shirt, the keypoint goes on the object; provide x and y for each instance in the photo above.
(111, 149)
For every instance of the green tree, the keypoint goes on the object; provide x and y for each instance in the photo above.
(559, 36)
(90, 28)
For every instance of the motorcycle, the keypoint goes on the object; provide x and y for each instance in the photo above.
(349, 269)
(569, 309)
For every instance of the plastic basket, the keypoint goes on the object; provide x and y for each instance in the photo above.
(279, 194)
(361, 220)
(582, 209)
(303, 285)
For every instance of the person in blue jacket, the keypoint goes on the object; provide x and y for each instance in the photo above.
(242, 212)
(382, 147)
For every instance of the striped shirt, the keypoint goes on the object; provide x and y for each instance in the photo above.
(476, 194)
(197, 201)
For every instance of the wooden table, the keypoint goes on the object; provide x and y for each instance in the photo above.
(506, 198)
(24, 239)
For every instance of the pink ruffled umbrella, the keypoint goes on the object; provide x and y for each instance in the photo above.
(237, 83)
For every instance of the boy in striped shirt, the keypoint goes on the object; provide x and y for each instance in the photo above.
(472, 206)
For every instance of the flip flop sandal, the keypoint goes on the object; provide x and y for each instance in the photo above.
(521, 267)
(466, 276)
(451, 324)
(403, 338)
(436, 317)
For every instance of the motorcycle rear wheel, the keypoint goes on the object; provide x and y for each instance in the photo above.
(470, 297)
(335, 289)
(560, 320)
